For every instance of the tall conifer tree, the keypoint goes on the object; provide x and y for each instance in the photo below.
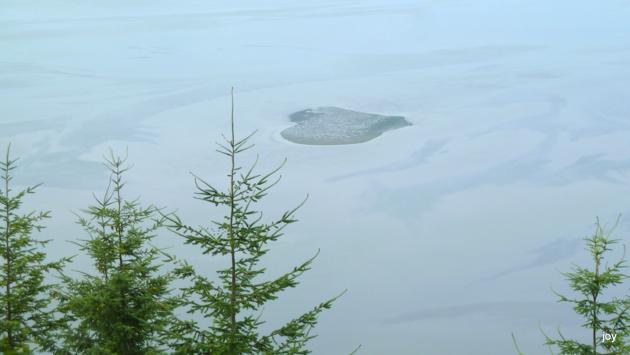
(27, 319)
(231, 305)
(125, 306)
(602, 314)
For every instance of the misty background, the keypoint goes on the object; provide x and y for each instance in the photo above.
(448, 234)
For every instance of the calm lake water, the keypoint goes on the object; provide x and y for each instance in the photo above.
(447, 234)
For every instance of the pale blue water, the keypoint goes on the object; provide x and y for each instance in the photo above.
(447, 233)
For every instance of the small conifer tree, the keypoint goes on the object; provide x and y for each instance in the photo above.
(601, 314)
(125, 306)
(27, 318)
(231, 306)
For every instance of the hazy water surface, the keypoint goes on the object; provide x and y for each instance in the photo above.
(447, 234)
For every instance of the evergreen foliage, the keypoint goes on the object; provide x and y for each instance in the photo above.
(231, 306)
(610, 315)
(27, 319)
(125, 306)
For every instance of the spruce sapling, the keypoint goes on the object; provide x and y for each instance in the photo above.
(231, 306)
(602, 315)
(27, 315)
(125, 306)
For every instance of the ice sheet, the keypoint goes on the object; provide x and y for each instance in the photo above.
(334, 126)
